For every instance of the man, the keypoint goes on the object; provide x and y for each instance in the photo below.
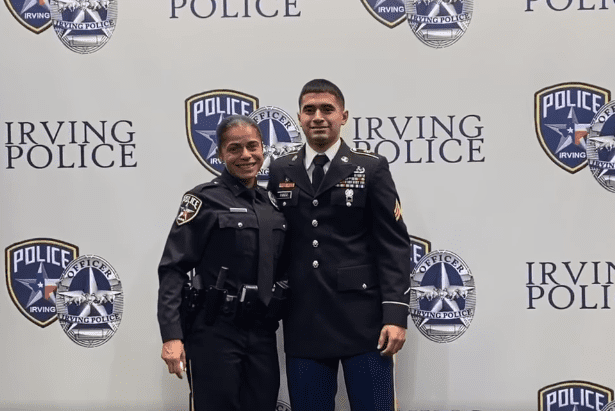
(349, 262)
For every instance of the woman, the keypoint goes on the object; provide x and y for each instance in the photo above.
(230, 222)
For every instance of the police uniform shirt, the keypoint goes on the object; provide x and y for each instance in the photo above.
(216, 226)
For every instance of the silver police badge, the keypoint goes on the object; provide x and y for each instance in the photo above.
(84, 26)
(439, 23)
(601, 146)
(89, 301)
(280, 135)
(442, 296)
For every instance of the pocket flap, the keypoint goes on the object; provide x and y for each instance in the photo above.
(237, 220)
(360, 277)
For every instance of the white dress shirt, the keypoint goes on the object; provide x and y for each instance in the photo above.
(310, 153)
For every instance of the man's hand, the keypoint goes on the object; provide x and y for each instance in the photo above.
(174, 355)
(392, 337)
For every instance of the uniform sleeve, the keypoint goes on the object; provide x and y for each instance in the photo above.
(182, 252)
(392, 245)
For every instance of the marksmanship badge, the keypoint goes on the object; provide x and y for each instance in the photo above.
(90, 301)
(33, 270)
(280, 135)
(442, 296)
(34, 15)
(84, 26)
(439, 23)
(601, 147)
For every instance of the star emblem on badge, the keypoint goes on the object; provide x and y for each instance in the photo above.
(571, 132)
(28, 4)
(91, 299)
(442, 297)
(40, 287)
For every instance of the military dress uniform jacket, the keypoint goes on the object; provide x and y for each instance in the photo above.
(216, 226)
(349, 262)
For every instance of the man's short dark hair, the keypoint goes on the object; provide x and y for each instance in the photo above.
(232, 121)
(322, 86)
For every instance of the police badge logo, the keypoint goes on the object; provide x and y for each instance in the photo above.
(562, 115)
(204, 112)
(84, 26)
(574, 395)
(280, 135)
(189, 209)
(35, 15)
(391, 13)
(601, 147)
(90, 301)
(442, 296)
(33, 270)
(439, 23)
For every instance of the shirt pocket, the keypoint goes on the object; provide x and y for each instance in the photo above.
(288, 198)
(357, 278)
(242, 231)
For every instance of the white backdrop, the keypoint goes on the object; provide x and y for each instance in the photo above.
(512, 208)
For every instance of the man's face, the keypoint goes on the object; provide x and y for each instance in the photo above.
(321, 116)
(242, 152)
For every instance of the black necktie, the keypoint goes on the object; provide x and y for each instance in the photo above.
(264, 214)
(318, 173)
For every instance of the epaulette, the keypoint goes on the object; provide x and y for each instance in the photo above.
(364, 152)
(213, 183)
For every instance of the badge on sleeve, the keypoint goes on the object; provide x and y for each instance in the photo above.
(189, 209)
(397, 211)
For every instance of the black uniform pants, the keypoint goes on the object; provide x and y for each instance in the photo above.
(233, 367)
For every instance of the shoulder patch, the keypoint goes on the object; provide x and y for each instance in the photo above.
(364, 152)
(189, 209)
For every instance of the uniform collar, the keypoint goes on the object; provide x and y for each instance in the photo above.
(236, 186)
(310, 153)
